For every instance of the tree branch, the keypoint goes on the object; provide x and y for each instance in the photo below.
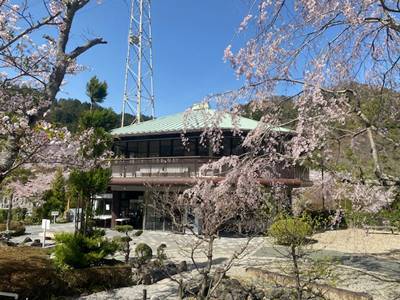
(46, 21)
(82, 49)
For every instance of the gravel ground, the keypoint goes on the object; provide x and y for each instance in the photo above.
(363, 257)
(380, 287)
(356, 241)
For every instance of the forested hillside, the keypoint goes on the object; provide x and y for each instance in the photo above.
(71, 113)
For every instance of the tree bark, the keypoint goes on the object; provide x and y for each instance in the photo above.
(9, 216)
(206, 280)
(296, 270)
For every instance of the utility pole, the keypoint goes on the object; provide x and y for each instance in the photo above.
(138, 97)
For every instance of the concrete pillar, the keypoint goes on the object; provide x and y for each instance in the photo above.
(145, 200)
(115, 207)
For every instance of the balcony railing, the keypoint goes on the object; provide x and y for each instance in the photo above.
(186, 166)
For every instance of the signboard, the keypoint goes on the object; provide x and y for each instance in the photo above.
(45, 224)
(55, 213)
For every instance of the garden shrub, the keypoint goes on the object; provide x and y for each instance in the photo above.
(3, 215)
(290, 231)
(95, 279)
(79, 251)
(138, 233)
(18, 228)
(321, 220)
(17, 214)
(97, 233)
(143, 252)
(161, 255)
(34, 276)
(124, 228)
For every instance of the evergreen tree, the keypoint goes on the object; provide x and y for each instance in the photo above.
(55, 198)
(96, 91)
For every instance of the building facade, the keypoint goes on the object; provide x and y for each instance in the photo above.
(154, 154)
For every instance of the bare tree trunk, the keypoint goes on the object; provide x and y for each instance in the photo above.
(206, 280)
(67, 206)
(9, 215)
(127, 248)
(296, 272)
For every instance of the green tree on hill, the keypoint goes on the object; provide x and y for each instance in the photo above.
(106, 119)
(96, 91)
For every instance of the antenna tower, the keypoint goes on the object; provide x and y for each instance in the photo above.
(138, 96)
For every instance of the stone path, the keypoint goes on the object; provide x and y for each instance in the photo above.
(164, 289)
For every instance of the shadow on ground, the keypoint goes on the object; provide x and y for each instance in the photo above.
(373, 263)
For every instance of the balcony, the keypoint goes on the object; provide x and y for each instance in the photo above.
(185, 170)
(186, 166)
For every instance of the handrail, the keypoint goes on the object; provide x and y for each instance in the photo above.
(165, 158)
(183, 166)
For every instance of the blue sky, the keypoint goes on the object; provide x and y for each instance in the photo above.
(189, 37)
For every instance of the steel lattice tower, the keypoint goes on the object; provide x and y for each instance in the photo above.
(138, 96)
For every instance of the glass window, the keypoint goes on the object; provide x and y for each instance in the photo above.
(166, 147)
(203, 148)
(154, 148)
(237, 146)
(120, 148)
(227, 145)
(190, 147)
(178, 148)
(142, 149)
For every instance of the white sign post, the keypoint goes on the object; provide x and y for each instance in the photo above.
(45, 227)
(54, 214)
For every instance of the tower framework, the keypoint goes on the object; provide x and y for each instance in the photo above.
(138, 97)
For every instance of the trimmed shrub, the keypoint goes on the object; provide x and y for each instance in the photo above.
(290, 231)
(138, 233)
(161, 256)
(79, 251)
(17, 228)
(95, 279)
(124, 228)
(143, 252)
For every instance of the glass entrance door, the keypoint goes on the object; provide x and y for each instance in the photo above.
(136, 213)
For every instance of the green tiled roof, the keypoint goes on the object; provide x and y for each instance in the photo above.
(196, 120)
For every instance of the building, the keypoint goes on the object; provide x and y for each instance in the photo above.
(152, 152)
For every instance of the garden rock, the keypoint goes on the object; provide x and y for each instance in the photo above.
(36, 243)
(152, 272)
(27, 240)
(182, 267)
(232, 289)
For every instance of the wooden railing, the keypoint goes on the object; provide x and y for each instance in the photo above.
(186, 166)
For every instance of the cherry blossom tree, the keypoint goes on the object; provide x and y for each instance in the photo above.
(323, 55)
(34, 60)
(32, 74)
(216, 208)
